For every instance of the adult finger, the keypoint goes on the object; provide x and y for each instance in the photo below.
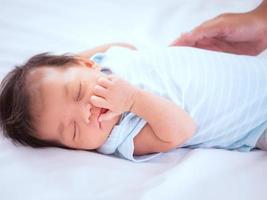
(209, 29)
(243, 48)
(183, 41)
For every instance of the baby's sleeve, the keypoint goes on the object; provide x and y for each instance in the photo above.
(121, 140)
(126, 148)
(98, 57)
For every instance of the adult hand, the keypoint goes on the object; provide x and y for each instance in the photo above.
(243, 33)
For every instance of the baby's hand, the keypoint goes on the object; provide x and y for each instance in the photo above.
(115, 94)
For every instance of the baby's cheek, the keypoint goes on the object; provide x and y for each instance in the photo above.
(92, 139)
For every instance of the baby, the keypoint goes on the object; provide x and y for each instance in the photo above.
(137, 104)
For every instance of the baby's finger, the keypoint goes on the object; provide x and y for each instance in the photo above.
(99, 102)
(104, 82)
(100, 91)
(108, 115)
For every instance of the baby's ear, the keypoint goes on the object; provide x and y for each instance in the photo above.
(86, 62)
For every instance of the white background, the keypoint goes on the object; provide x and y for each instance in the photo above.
(35, 26)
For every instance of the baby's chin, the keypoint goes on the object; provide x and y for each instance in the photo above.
(107, 125)
(97, 112)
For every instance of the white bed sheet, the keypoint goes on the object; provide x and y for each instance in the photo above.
(30, 27)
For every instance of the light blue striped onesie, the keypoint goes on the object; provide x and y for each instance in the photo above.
(225, 94)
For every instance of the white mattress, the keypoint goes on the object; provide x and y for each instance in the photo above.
(30, 27)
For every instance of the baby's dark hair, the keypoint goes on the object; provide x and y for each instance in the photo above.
(16, 119)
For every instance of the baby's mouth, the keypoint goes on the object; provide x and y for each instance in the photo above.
(102, 111)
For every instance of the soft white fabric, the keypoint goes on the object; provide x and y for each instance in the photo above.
(225, 94)
(120, 141)
(33, 26)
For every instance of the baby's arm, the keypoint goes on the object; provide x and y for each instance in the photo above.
(168, 124)
(103, 48)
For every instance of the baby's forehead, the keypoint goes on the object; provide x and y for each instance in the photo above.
(44, 75)
(52, 71)
(41, 72)
(37, 81)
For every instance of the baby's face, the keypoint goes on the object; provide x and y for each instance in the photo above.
(62, 107)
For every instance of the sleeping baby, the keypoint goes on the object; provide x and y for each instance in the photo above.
(136, 104)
